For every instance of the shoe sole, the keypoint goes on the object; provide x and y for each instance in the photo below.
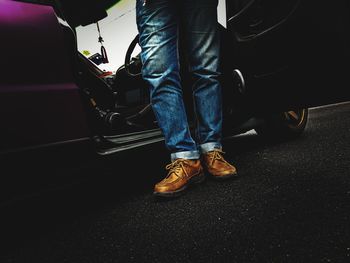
(224, 177)
(193, 181)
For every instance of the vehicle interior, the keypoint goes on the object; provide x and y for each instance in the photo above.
(122, 105)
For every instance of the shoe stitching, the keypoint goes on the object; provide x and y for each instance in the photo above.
(217, 155)
(176, 167)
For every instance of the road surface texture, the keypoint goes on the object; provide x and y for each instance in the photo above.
(291, 203)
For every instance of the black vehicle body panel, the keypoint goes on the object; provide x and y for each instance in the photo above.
(297, 59)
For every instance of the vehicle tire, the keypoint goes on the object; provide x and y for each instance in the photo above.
(286, 125)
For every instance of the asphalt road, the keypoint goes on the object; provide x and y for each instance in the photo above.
(290, 204)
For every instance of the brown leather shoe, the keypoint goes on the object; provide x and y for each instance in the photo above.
(182, 173)
(217, 166)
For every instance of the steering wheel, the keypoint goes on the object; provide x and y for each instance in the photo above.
(129, 61)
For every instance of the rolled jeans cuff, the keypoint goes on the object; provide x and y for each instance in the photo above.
(209, 146)
(192, 155)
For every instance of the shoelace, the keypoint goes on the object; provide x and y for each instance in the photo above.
(216, 155)
(176, 167)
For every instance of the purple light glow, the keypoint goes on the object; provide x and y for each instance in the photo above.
(20, 12)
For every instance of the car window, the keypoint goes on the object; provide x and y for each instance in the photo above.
(118, 30)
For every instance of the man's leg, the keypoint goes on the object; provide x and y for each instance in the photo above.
(203, 48)
(157, 23)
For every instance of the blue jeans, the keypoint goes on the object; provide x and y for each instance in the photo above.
(158, 23)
